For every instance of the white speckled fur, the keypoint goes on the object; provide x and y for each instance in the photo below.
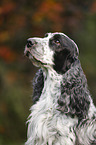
(46, 124)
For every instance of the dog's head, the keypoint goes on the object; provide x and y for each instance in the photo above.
(55, 50)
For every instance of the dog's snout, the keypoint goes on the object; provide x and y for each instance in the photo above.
(30, 43)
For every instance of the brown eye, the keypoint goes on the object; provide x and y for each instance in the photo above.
(57, 42)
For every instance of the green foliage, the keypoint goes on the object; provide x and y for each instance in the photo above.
(20, 20)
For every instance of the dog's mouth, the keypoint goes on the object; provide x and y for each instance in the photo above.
(34, 59)
(27, 54)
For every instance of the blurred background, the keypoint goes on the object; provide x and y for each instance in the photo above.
(21, 19)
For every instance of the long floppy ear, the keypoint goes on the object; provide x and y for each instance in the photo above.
(66, 55)
(75, 96)
(63, 60)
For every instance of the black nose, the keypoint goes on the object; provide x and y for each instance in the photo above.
(29, 43)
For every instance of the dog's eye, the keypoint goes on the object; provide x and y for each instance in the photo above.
(57, 42)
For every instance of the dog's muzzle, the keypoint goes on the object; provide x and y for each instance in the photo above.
(30, 43)
(28, 47)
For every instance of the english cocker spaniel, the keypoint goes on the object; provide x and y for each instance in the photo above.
(63, 112)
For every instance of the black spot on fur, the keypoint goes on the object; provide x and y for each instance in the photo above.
(38, 84)
(65, 52)
(62, 61)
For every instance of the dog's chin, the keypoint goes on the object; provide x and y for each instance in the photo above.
(36, 61)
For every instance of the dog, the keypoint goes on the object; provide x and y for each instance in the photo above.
(63, 112)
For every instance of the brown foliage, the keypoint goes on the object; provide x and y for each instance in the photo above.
(6, 8)
(93, 7)
(6, 54)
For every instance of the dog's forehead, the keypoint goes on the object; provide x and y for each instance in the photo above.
(56, 33)
(50, 35)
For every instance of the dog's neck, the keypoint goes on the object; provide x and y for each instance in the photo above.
(52, 86)
(51, 74)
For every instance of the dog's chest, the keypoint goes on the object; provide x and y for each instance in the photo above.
(47, 104)
(47, 124)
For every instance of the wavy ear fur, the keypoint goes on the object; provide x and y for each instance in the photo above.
(74, 99)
